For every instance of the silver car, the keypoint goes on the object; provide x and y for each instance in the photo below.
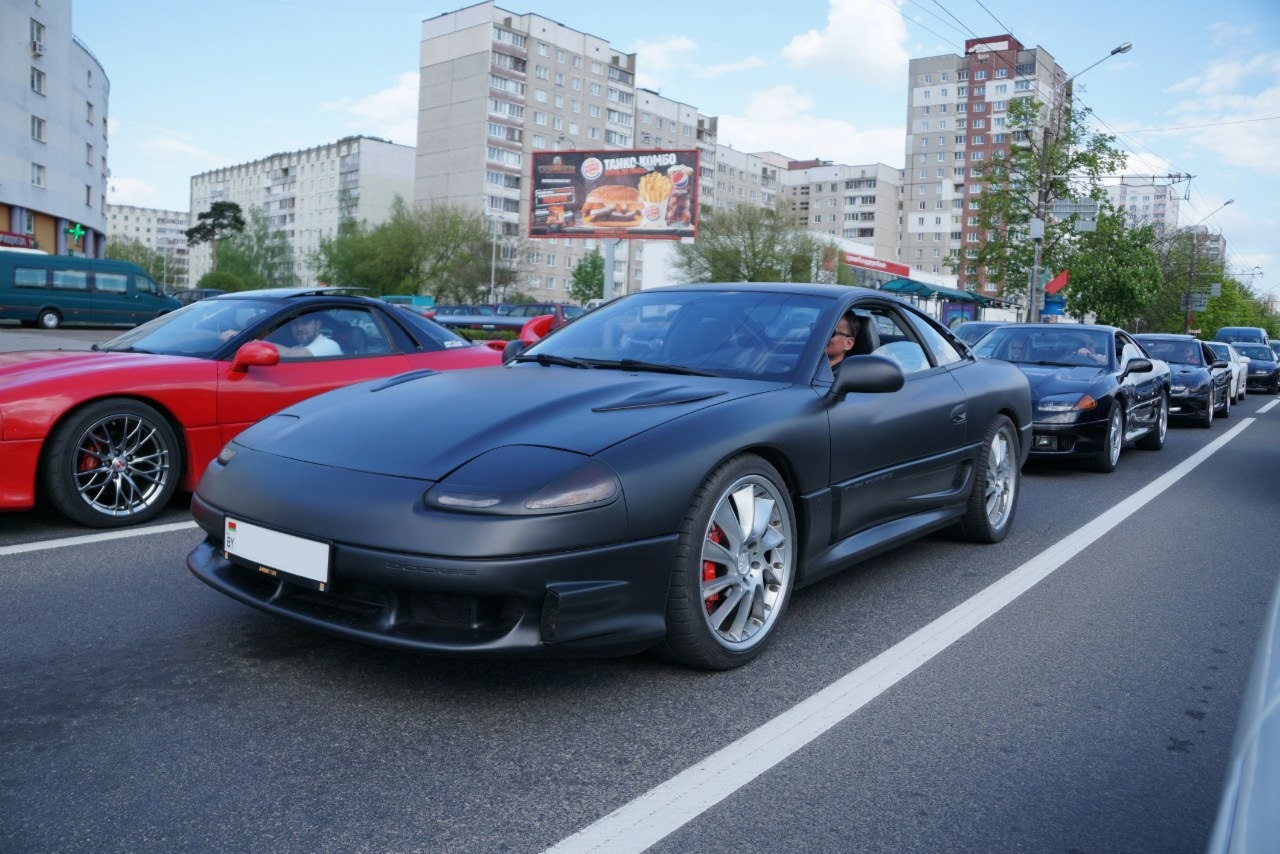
(1239, 366)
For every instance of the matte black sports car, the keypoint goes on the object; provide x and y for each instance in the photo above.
(662, 472)
(1200, 383)
(1094, 389)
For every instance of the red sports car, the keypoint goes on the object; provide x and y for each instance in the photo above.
(108, 435)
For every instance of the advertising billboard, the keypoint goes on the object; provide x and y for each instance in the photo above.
(636, 195)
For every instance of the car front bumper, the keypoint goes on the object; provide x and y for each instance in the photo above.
(607, 600)
(1189, 405)
(1062, 440)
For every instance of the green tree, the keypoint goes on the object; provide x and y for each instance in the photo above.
(223, 279)
(258, 255)
(213, 223)
(132, 249)
(1075, 161)
(444, 250)
(588, 278)
(1115, 272)
(751, 244)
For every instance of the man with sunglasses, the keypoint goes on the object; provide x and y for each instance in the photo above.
(840, 344)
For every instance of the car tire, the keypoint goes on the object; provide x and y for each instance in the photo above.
(1112, 443)
(1154, 439)
(48, 319)
(997, 482)
(734, 568)
(115, 462)
(1206, 420)
(1225, 410)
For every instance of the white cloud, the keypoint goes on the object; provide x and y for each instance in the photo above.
(865, 37)
(781, 120)
(391, 113)
(1235, 104)
(673, 60)
(130, 191)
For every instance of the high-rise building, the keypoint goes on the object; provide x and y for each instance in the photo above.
(1145, 201)
(851, 202)
(956, 122)
(54, 160)
(159, 230)
(304, 195)
(497, 85)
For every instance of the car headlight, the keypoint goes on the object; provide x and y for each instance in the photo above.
(1063, 408)
(1178, 389)
(525, 480)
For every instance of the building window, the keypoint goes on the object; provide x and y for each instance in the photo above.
(88, 196)
(88, 111)
(37, 175)
(88, 153)
(37, 129)
(37, 81)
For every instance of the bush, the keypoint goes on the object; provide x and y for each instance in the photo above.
(221, 279)
(486, 334)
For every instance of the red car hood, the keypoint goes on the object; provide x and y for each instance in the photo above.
(45, 366)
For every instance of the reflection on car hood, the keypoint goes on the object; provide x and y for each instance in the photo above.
(32, 366)
(1186, 373)
(1047, 380)
(425, 424)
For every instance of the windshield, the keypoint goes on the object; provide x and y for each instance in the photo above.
(1256, 351)
(743, 334)
(193, 330)
(1220, 351)
(1177, 351)
(1045, 345)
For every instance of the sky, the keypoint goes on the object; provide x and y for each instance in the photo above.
(198, 86)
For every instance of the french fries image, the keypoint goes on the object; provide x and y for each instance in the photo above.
(654, 187)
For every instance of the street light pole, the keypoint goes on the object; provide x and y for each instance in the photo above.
(1191, 276)
(1042, 194)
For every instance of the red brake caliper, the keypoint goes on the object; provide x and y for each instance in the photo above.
(716, 536)
(89, 462)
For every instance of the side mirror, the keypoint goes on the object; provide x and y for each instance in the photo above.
(1220, 363)
(866, 375)
(1138, 366)
(261, 354)
(513, 348)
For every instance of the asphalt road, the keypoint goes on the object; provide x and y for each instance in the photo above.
(141, 711)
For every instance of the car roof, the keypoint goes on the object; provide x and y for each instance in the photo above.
(1165, 336)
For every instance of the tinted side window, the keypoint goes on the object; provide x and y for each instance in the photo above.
(26, 277)
(111, 283)
(71, 280)
(944, 351)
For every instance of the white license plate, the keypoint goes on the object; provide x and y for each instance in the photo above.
(273, 552)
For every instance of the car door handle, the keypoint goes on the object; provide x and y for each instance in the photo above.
(959, 413)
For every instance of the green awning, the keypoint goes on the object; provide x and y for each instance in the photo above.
(920, 289)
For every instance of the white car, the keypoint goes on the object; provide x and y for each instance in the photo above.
(1239, 366)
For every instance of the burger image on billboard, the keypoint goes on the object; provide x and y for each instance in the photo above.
(613, 205)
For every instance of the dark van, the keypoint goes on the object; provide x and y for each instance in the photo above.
(49, 290)
(1246, 334)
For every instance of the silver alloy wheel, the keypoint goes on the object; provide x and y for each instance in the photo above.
(1115, 435)
(48, 319)
(748, 562)
(121, 465)
(1002, 480)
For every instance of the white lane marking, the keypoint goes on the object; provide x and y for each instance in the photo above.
(1267, 407)
(87, 539)
(667, 807)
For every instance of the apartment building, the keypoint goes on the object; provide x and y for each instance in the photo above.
(54, 111)
(956, 122)
(1145, 201)
(160, 231)
(306, 194)
(497, 85)
(850, 202)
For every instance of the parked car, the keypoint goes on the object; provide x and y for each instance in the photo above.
(1264, 367)
(1201, 381)
(454, 309)
(660, 473)
(512, 317)
(46, 291)
(1239, 366)
(1247, 334)
(190, 295)
(1094, 389)
(108, 435)
(970, 331)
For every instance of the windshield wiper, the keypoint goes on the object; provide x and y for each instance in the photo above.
(121, 349)
(656, 367)
(545, 359)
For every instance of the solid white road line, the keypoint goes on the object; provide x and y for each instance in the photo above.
(122, 534)
(670, 805)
